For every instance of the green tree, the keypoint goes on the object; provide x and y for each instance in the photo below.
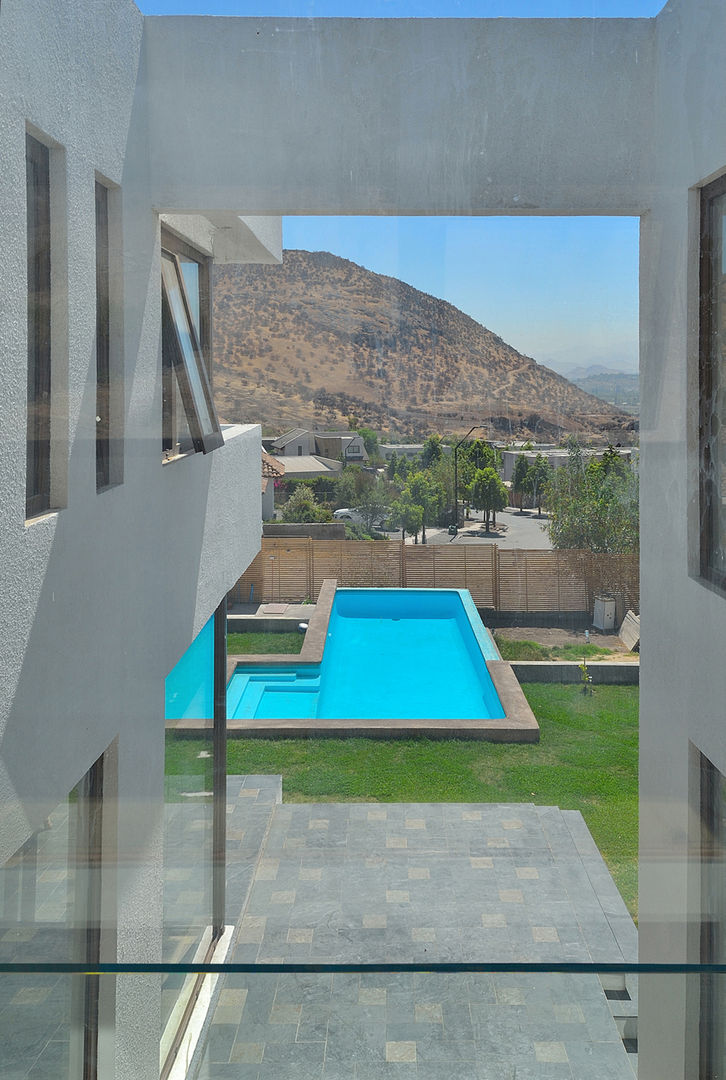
(427, 493)
(370, 440)
(392, 465)
(374, 503)
(488, 494)
(593, 507)
(303, 506)
(432, 451)
(540, 475)
(520, 479)
(407, 515)
(353, 484)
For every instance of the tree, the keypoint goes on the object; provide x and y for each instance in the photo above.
(392, 464)
(483, 455)
(428, 494)
(594, 508)
(370, 440)
(354, 482)
(303, 506)
(540, 475)
(374, 503)
(407, 515)
(488, 494)
(520, 478)
(432, 451)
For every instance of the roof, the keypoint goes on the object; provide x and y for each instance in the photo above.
(308, 464)
(288, 436)
(271, 467)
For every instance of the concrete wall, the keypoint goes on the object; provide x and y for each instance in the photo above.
(683, 622)
(401, 115)
(99, 599)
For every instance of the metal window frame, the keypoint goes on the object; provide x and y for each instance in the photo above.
(37, 162)
(194, 382)
(711, 376)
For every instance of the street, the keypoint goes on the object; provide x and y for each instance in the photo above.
(513, 530)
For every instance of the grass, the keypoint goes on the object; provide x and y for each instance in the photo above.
(587, 760)
(258, 643)
(532, 650)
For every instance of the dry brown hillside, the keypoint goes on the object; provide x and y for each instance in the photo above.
(318, 338)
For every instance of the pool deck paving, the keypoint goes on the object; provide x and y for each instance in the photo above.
(366, 883)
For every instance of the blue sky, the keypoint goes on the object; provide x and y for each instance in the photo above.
(563, 290)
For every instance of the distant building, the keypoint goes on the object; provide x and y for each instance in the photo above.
(348, 446)
(556, 458)
(406, 450)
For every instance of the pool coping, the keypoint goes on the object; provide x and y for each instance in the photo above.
(519, 723)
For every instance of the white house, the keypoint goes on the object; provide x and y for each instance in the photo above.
(134, 149)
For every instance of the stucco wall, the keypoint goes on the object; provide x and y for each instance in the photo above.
(683, 622)
(400, 115)
(99, 599)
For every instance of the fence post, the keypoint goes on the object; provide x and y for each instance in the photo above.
(403, 564)
(495, 576)
(310, 569)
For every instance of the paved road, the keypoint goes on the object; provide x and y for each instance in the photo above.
(514, 530)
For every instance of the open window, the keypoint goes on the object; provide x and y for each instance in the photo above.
(189, 418)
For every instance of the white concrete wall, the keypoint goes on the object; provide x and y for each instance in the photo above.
(683, 622)
(99, 599)
(400, 115)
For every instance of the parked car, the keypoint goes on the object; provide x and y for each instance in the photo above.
(347, 513)
(354, 514)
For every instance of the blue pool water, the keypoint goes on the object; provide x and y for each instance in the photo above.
(389, 654)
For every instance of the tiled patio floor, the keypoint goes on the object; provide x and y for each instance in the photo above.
(362, 882)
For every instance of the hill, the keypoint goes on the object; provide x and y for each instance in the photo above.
(319, 338)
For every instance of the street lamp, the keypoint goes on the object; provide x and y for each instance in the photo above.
(477, 427)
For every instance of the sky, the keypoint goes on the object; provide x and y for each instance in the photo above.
(562, 290)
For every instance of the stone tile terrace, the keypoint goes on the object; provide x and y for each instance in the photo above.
(396, 883)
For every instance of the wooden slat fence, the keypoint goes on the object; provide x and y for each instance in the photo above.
(293, 570)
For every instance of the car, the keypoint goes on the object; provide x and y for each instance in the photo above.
(354, 514)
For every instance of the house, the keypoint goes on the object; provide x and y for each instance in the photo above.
(272, 472)
(296, 441)
(134, 150)
(345, 446)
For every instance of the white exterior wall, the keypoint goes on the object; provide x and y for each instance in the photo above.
(397, 116)
(99, 599)
(450, 116)
(683, 621)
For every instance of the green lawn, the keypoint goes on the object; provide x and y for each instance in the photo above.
(277, 642)
(532, 650)
(587, 760)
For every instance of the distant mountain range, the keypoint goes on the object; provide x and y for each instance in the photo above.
(620, 388)
(319, 338)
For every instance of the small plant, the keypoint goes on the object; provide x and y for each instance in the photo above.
(585, 677)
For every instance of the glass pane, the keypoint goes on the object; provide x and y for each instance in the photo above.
(190, 273)
(189, 347)
(716, 424)
(46, 888)
(188, 821)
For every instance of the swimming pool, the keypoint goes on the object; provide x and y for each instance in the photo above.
(389, 654)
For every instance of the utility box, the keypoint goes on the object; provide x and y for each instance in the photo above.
(604, 615)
